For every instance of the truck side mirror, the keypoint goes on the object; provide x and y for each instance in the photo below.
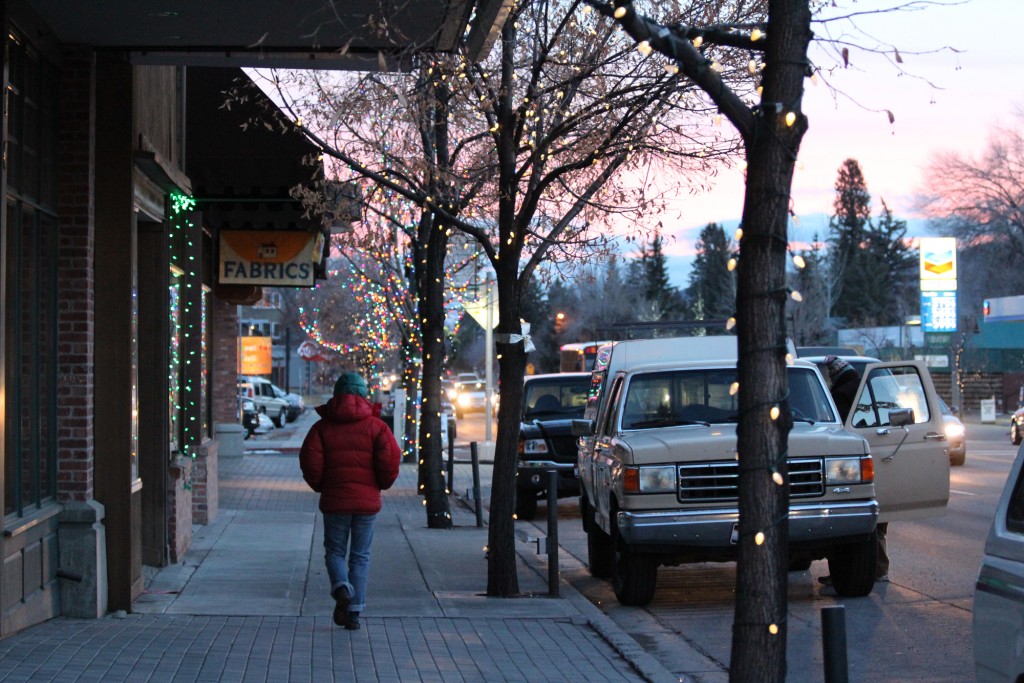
(582, 427)
(900, 417)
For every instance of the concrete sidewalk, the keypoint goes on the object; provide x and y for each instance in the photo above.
(250, 602)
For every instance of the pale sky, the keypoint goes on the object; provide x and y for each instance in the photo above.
(975, 89)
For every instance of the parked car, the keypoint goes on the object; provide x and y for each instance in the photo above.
(1017, 426)
(956, 436)
(550, 404)
(261, 391)
(998, 628)
(471, 396)
(296, 406)
(249, 416)
(658, 474)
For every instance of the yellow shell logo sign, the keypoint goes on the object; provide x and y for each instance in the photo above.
(939, 264)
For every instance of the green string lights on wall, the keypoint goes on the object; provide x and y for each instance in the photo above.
(186, 341)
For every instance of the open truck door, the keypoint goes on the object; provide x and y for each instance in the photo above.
(897, 412)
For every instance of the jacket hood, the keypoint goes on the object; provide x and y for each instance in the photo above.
(348, 408)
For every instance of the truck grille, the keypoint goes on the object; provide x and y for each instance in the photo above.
(719, 481)
(565, 448)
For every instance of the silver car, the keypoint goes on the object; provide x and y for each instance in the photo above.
(999, 592)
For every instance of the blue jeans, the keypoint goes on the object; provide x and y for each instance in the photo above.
(348, 566)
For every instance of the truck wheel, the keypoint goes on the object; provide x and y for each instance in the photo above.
(599, 552)
(526, 505)
(586, 512)
(1015, 435)
(279, 420)
(852, 567)
(634, 574)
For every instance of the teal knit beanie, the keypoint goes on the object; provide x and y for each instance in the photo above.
(351, 383)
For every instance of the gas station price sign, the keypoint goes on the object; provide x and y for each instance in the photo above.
(938, 311)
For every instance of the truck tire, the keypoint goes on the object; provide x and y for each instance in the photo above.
(600, 555)
(1015, 435)
(634, 575)
(852, 567)
(279, 421)
(526, 505)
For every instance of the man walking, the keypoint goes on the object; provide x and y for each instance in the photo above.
(349, 456)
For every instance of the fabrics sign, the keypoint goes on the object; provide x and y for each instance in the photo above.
(274, 258)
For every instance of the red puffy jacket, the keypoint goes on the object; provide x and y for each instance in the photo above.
(349, 456)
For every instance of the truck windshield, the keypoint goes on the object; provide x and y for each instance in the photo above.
(682, 397)
(561, 398)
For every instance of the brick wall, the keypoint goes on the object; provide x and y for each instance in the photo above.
(76, 307)
(205, 492)
(179, 505)
(224, 376)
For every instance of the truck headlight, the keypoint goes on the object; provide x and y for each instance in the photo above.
(843, 471)
(533, 446)
(660, 479)
(954, 430)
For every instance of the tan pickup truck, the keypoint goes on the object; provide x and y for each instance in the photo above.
(658, 473)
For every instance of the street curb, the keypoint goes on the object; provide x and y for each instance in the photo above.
(648, 667)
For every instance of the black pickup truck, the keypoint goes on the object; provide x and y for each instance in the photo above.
(550, 404)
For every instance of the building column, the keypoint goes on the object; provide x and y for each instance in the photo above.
(81, 534)
(118, 486)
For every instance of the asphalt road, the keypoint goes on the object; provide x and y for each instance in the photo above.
(918, 626)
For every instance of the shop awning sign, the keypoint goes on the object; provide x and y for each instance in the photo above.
(272, 258)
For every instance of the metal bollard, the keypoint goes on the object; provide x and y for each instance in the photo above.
(833, 644)
(451, 460)
(474, 457)
(553, 533)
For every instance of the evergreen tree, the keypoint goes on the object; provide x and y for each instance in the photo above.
(650, 272)
(712, 288)
(901, 293)
(810, 324)
(847, 232)
(872, 269)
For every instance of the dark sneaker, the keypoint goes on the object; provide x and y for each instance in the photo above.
(353, 621)
(341, 602)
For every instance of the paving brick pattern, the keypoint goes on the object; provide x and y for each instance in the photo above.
(167, 647)
(244, 649)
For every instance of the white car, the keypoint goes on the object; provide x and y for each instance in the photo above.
(999, 592)
(1017, 426)
(261, 392)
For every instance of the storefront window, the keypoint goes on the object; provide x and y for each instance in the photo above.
(30, 458)
(30, 453)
